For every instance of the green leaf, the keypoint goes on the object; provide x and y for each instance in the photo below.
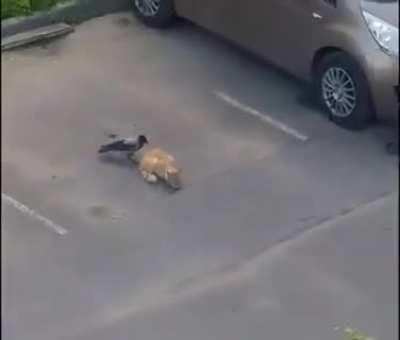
(351, 334)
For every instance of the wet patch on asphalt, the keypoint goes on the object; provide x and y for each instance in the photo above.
(123, 22)
(103, 212)
(308, 100)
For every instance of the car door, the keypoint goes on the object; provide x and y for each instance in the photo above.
(220, 16)
(184, 8)
(279, 30)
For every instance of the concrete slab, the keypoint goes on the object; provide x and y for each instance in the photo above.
(39, 34)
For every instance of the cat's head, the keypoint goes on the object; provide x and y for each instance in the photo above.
(173, 176)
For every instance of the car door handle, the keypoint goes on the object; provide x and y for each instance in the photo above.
(317, 16)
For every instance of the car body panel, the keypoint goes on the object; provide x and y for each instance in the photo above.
(184, 8)
(220, 16)
(272, 38)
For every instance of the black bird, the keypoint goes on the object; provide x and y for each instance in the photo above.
(130, 145)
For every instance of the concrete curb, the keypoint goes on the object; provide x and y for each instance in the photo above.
(71, 12)
(39, 34)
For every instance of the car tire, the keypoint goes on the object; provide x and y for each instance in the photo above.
(343, 91)
(161, 15)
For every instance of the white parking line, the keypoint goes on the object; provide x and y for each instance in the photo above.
(30, 212)
(262, 116)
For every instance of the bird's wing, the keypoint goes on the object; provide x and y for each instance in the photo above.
(117, 144)
(130, 141)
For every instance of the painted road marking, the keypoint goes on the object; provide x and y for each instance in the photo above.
(262, 116)
(32, 213)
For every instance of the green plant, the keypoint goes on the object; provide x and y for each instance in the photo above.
(352, 334)
(37, 5)
(11, 8)
(14, 8)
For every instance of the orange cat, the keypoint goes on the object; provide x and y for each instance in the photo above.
(156, 164)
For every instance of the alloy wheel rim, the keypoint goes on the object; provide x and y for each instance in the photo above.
(339, 92)
(148, 8)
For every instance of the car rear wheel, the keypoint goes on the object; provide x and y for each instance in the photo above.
(343, 91)
(154, 13)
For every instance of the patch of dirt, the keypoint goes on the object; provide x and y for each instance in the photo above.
(51, 47)
(102, 212)
(123, 22)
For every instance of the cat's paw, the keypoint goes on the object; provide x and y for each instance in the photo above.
(152, 178)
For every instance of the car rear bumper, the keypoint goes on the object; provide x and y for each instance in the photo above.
(382, 72)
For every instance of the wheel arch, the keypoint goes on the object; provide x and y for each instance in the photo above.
(320, 55)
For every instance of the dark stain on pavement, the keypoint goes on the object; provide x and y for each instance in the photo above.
(123, 22)
(308, 99)
(50, 48)
(100, 212)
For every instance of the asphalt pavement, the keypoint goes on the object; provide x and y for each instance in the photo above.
(286, 227)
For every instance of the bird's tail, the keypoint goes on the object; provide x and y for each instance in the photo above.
(104, 149)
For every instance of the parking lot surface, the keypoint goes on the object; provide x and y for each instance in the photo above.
(286, 226)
